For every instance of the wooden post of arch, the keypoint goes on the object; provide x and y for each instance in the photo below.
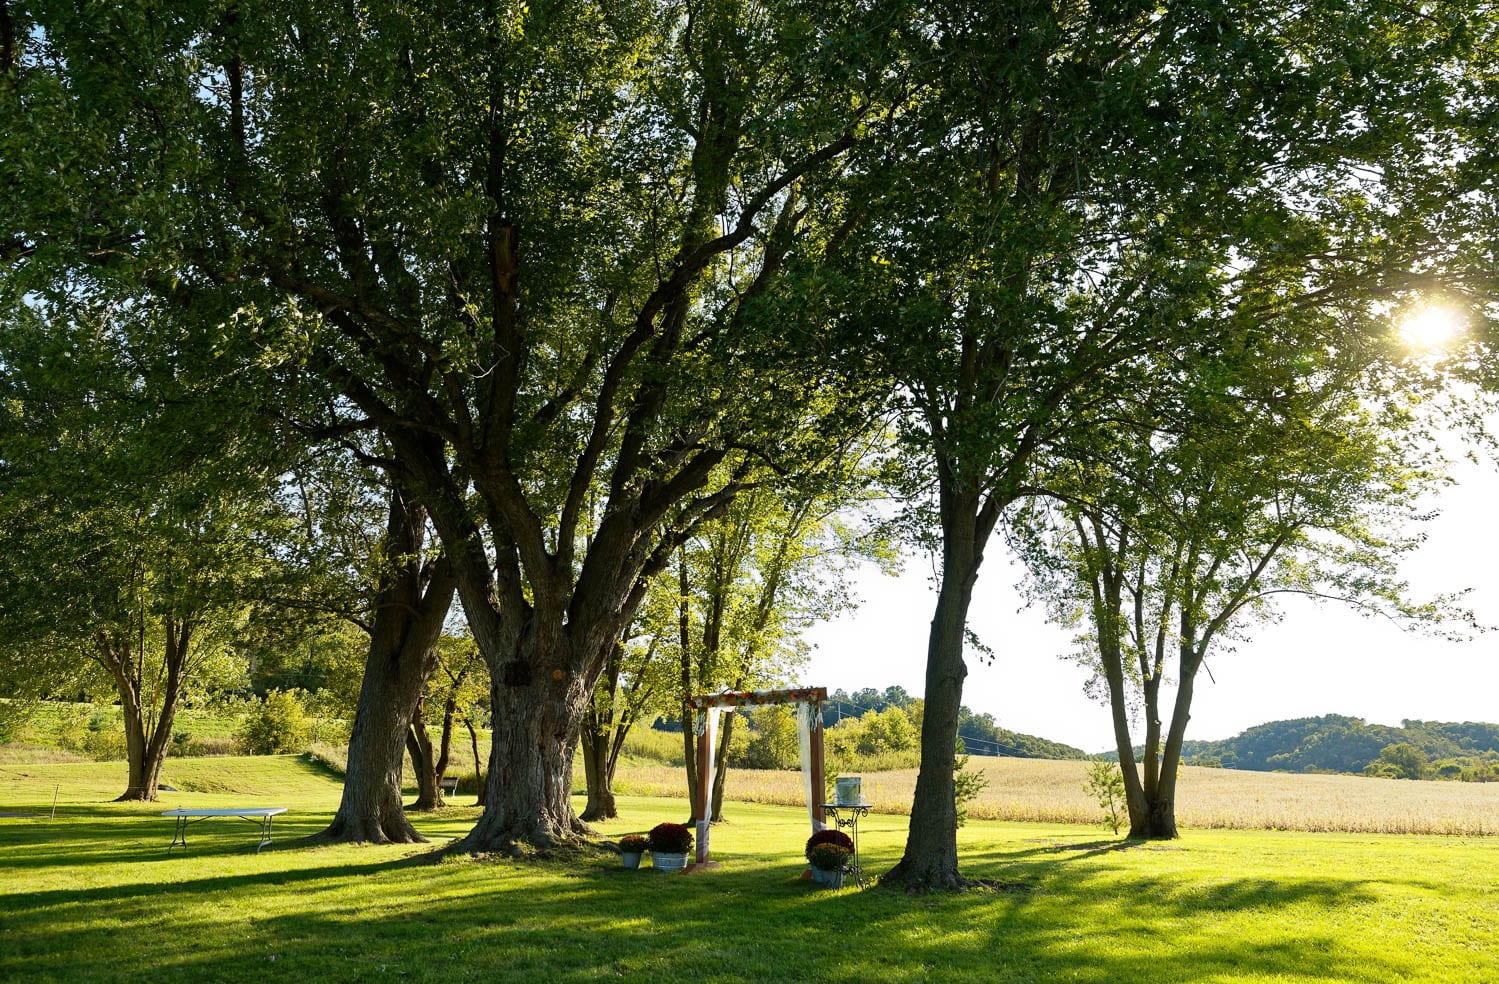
(703, 805)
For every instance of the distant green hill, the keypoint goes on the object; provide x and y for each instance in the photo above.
(1336, 743)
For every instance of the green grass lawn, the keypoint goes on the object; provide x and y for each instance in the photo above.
(93, 896)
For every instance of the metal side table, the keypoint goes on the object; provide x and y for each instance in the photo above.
(846, 817)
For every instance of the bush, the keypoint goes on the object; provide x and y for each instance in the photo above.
(276, 725)
(105, 746)
(634, 844)
(966, 785)
(670, 838)
(1106, 784)
(73, 727)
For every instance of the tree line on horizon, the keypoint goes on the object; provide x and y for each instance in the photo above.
(1465, 751)
(601, 320)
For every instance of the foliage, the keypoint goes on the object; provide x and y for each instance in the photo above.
(1400, 761)
(634, 844)
(980, 733)
(275, 724)
(967, 784)
(1464, 751)
(771, 739)
(670, 838)
(1105, 783)
(532, 246)
(830, 857)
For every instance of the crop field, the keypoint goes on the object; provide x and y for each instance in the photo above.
(1036, 790)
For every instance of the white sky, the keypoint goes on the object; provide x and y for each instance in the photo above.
(1320, 659)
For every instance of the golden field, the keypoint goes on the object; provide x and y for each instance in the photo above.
(1039, 790)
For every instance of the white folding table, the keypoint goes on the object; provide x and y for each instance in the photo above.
(255, 814)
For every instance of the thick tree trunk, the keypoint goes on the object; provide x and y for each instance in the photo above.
(528, 793)
(424, 769)
(931, 857)
(408, 622)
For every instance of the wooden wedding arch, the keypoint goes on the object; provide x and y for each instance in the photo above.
(808, 701)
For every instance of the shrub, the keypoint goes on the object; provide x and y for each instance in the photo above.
(73, 727)
(670, 838)
(105, 746)
(830, 857)
(634, 844)
(830, 836)
(1106, 784)
(275, 725)
(966, 785)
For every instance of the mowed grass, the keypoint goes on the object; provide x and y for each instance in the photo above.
(93, 896)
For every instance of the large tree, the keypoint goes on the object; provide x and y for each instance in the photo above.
(1105, 173)
(527, 244)
(138, 525)
(1265, 472)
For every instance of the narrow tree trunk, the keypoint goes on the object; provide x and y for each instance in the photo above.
(407, 624)
(144, 755)
(445, 739)
(423, 768)
(1161, 822)
(598, 727)
(689, 720)
(721, 764)
(473, 738)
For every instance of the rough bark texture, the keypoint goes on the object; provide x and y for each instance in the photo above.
(528, 791)
(409, 616)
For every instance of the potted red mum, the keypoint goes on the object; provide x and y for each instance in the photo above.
(670, 843)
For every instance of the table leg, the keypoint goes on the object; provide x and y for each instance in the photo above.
(265, 833)
(179, 836)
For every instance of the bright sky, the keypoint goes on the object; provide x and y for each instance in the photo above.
(1320, 659)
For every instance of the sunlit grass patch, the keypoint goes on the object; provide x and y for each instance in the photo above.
(94, 897)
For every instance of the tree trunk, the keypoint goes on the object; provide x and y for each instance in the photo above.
(931, 856)
(473, 738)
(445, 740)
(407, 624)
(419, 750)
(598, 729)
(720, 765)
(598, 773)
(145, 746)
(528, 793)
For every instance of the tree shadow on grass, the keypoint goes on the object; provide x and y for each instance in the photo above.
(411, 919)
